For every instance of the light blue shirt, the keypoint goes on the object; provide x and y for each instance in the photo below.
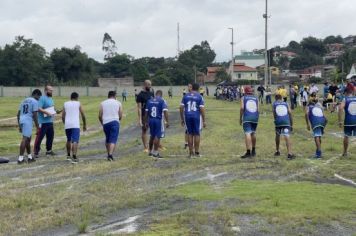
(43, 103)
(26, 108)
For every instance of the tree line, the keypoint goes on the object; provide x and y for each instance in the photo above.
(26, 63)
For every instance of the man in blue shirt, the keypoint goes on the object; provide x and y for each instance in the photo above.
(348, 105)
(249, 114)
(155, 109)
(284, 124)
(26, 115)
(45, 120)
(192, 114)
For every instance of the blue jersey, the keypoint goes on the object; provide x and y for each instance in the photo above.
(155, 107)
(26, 108)
(350, 111)
(45, 102)
(250, 109)
(282, 118)
(316, 116)
(192, 103)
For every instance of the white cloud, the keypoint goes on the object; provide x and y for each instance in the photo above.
(148, 27)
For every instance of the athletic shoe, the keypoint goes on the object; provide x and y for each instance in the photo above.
(30, 160)
(150, 154)
(277, 154)
(50, 153)
(246, 155)
(69, 158)
(157, 156)
(75, 160)
(20, 162)
(197, 154)
(36, 156)
(185, 145)
(344, 155)
(253, 152)
(291, 157)
(110, 158)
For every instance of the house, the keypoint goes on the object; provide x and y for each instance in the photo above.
(335, 47)
(275, 71)
(289, 55)
(350, 40)
(318, 71)
(116, 82)
(243, 72)
(250, 59)
(211, 74)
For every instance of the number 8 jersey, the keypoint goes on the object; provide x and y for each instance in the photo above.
(155, 107)
(192, 103)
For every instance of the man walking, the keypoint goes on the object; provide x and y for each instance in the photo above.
(155, 109)
(124, 95)
(192, 114)
(46, 114)
(348, 105)
(72, 110)
(249, 114)
(26, 115)
(142, 99)
(284, 124)
(110, 115)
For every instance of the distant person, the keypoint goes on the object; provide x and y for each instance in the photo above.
(261, 93)
(110, 115)
(26, 116)
(283, 122)
(170, 92)
(305, 97)
(136, 94)
(292, 95)
(348, 106)
(72, 110)
(192, 114)
(333, 90)
(124, 95)
(326, 89)
(155, 110)
(141, 100)
(284, 93)
(268, 95)
(201, 91)
(207, 90)
(316, 121)
(45, 120)
(249, 115)
(184, 91)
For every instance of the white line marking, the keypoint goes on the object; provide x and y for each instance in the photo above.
(344, 179)
(55, 182)
(129, 220)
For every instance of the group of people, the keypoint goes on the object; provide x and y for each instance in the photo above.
(283, 119)
(152, 112)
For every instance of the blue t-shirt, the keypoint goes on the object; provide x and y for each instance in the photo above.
(26, 108)
(192, 103)
(155, 107)
(282, 118)
(251, 113)
(316, 116)
(45, 102)
(350, 111)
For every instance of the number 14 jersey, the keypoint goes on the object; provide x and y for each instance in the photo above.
(192, 103)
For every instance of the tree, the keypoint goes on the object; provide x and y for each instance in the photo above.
(294, 46)
(161, 78)
(71, 66)
(313, 45)
(332, 39)
(139, 71)
(283, 62)
(346, 61)
(305, 60)
(117, 66)
(109, 47)
(222, 75)
(23, 63)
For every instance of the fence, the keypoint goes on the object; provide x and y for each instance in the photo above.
(99, 91)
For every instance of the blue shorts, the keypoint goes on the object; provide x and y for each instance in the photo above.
(318, 131)
(26, 128)
(111, 131)
(350, 131)
(156, 128)
(193, 125)
(283, 131)
(249, 127)
(73, 135)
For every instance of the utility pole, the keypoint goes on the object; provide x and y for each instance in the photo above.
(178, 41)
(266, 45)
(232, 52)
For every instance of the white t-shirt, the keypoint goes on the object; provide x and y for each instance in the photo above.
(305, 96)
(111, 109)
(72, 111)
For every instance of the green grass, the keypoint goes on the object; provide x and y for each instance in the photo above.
(267, 187)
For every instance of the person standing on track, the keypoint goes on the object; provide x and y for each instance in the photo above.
(315, 118)
(26, 115)
(45, 120)
(72, 110)
(155, 110)
(192, 114)
(283, 122)
(348, 105)
(249, 114)
(110, 115)
(141, 100)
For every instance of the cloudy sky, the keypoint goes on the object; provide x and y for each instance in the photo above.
(149, 27)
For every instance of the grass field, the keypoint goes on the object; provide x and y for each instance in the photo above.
(217, 194)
